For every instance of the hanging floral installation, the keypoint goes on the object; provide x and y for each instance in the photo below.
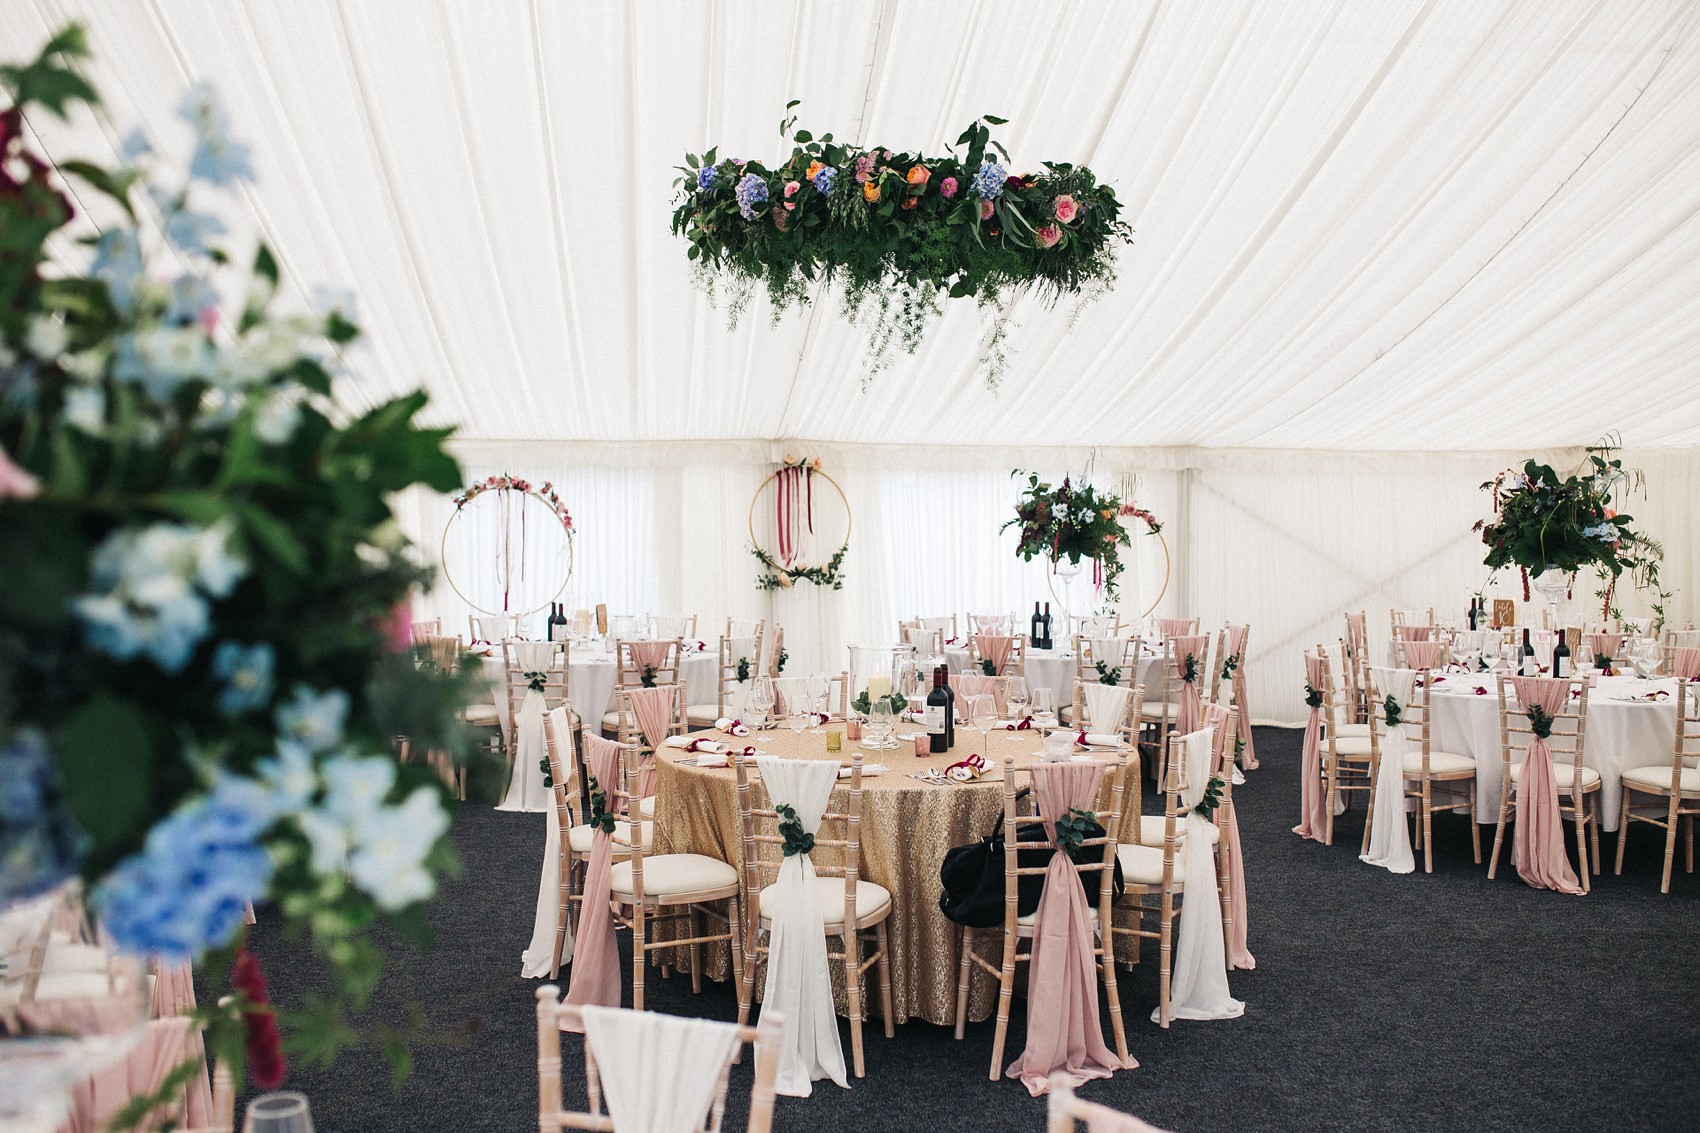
(1548, 523)
(794, 519)
(1076, 522)
(898, 232)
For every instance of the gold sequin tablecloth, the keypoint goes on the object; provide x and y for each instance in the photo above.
(907, 826)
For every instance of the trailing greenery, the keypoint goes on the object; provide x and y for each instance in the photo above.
(1212, 797)
(1540, 721)
(898, 232)
(1313, 695)
(1107, 674)
(1075, 827)
(797, 840)
(1391, 712)
(776, 577)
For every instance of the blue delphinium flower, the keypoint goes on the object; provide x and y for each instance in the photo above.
(218, 158)
(705, 177)
(189, 296)
(246, 671)
(823, 179)
(752, 190)
(192, 231)
(988, 183)
(188, 888)
(145, 600)
(388, 860)
(40, 845)
(314, 719)
(118, 264)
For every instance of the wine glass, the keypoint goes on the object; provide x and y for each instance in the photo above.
(815, 687)
(877, 732)
(1045, 706)
(983, 713)
(1016, 697)
(282, 1112)
(799, 722)
(759, 702)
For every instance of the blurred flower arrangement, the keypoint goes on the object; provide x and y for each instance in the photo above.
(1075, 522)
(898, 231)
(1565, 524)
(203, 634)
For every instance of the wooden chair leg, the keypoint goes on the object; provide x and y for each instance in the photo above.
(1006, 992)
(1475, 827)
(1670, 840)
(886, 1011)
(1594, 830)
(1689, 828)
(1333, 795)
(1165, 930)
(696, 923)
(1579, 813)
(640, 955)
(1623, 831)
(743, 982)
(1428, 827)
(1498, 830)
(853, 995)
(963, 971)
(1369, 811)
(1112, 994)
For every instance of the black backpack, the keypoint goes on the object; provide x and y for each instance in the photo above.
(972, 876)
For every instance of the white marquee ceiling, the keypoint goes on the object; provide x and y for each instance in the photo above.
(1396, 225)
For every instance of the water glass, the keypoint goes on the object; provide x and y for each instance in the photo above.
(1016, 696)
(1045, 706)
(282, 1112)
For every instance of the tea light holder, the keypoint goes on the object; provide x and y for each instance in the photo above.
(834, 740)
(923, 746)
(852, 729)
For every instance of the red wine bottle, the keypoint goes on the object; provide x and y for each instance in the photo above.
(1526, 660)
(938, 714)
(1561, 657)
(1033, 638)
(1045, 628)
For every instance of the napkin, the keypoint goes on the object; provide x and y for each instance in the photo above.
(731, 727)
(1097, 739)
(867, 769)
(678, 741)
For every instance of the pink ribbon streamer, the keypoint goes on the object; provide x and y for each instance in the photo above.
(654, 709)
(1191, 710)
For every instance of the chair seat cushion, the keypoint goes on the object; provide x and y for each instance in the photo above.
(580, 838)
(1143, 865)
(1352, 746)
(1066, 714)
(481, 715)
(1657, 778)
(1562, 773)
(646, 807)
(1352, 730)
(829, 895)
(667, 874)
(704, 714)
(1151, 832)
(1439, 763)
(610, 721)
(1159, 710)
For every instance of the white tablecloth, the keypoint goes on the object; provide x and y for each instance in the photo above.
(1621, 734)
(1054, 669)
(590, 682)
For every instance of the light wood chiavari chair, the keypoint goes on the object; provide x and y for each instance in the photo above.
(1671, 790)
(927, 642)
(1677, 639)
(854, 911)
(628, 731)
(491, 628)
(1567, 744)
(517, 684)
(1095, 856)
(663, 626)
(419, 631)
(1178, 627)
(1015, 665)
(630, 672)
(1120, 659)
(1122, 722)
(1355, 646)
(1347, 760)
(552, 1114)
(444, 653)
(740, 660)
(945, 626)
(1426, 768)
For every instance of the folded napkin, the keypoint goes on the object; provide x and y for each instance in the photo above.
(1097, 739)
(678, 741)
(867, 769)
(732, 727)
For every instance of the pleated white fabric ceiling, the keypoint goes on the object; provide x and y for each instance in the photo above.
(1411, 224)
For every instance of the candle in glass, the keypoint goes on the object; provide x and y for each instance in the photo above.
(879, 684)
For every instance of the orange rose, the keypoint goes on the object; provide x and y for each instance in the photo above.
(911, 202)
(814, 168)
(871, 191)
(918, 175)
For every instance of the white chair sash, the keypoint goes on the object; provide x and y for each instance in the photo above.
(538, 956)
(799, 983)
(1111, 652)
(1200, 987)
(1389, 836)
(526, 791)
(1105, 706)
(659, 1072)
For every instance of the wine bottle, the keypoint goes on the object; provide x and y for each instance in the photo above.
(557, 624)
(1045, 628)
(1526, 660)
(938, 714)
(942, 674)
(1473, 615)
(1033, 638)
(1561, 656)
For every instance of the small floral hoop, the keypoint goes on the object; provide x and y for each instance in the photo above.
(774, 575)
(545, 494)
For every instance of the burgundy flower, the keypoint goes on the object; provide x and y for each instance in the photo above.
(266, 1064)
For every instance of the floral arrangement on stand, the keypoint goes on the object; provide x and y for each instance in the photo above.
(204, 625)
(794, 510)
(1076, 522)
(505, 483)
(1546, 522)
(899, 231)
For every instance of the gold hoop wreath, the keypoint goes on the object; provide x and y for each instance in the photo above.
(774, 575)
(1051, 579)
(501, 486)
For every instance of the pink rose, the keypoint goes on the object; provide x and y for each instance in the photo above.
(1047, 236)
(1067, 208)
(791, 188)
(15, 483)
(985, 210)
(947, 188)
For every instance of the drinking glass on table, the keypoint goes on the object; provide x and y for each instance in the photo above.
(1016, 697)
(759, 702)
(982, 714)
(815, 687)
(799, 722)
(877, 732)
(1045, 707)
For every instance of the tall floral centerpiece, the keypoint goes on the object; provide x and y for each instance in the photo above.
(1072, 522)
(1550, 527)
(203, 625)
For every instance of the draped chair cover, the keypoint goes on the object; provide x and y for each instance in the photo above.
(655, 709)
(996, 648)
(976, 684)
(742, 649)
(1313, 801)
(1537, 845)
(1189, 716)
(1112, 653)
(1686, 663)
(650, 654)
(173, 995)
(790, 694)
(1389, 836)
(1065, 1035)
(1105, 706)
(1237, 635)
(1200, 986)
(799, 983)
(1605, 644)
(596, 956)
(1174, 627)
(539, 956)
(526, 791)
(163, 1045)
(1423, 654)
(775, 648)
(1415, 633)
(1357, 625)
(1222, 763)
(659, 1072)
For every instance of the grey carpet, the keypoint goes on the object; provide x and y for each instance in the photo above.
(1436, 1002)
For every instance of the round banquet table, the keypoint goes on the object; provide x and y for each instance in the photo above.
(1624, 731)
(907, 826)
(590, 681)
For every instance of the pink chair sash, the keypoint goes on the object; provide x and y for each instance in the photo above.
(595, 976)
(1538, 847)
(1416, 633)
(974, 684)
(1687, 662)
(1313, 803)
(651, 654)
(1174, 627)
(1605, 644)
(1110, 1121)
(163, 1046)
(1236, 648)
(1423, 654)
(174, 994)
(1239, 955)
(774, 650)
(1358, 631)
(995, 648)
(1065, 1035)
(1191, 710)
(656, 710)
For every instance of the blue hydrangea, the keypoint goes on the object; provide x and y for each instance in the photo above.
(188, 888)
(189, 296)
(1605, 532)
(118, 264)
(988, 183)
(823, 179)
(314, 719)
(752, 190)
(246, 671)
(705, 177)
(150, 588)
(40, 845)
